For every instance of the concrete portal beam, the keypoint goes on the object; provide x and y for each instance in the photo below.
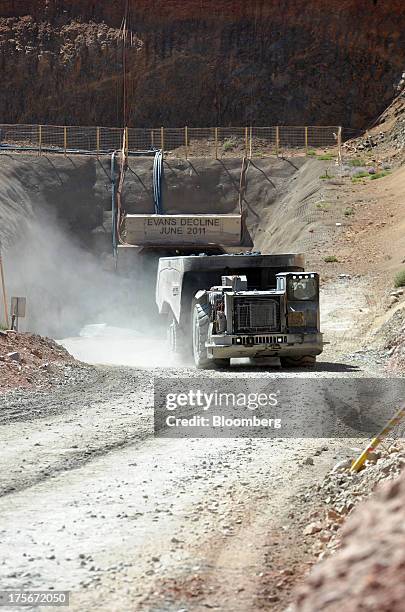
(183, 230)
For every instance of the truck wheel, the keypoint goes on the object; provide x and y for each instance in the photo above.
(222, 363)
(200, 334)
(306, 361)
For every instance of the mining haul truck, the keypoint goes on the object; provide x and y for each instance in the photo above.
(224, 306)
(220, 304)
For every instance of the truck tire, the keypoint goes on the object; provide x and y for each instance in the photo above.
(306, 361)
(221, 363)
(200, 322)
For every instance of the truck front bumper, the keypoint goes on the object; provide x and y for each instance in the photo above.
(226, 346)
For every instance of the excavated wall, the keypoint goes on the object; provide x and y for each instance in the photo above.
(201, 62)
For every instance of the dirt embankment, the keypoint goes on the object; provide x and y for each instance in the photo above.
(367, 244)
(368, 572)
(31, 362)
(385, 138)
(201, 62)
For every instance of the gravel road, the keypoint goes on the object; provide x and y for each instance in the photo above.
(93, 503)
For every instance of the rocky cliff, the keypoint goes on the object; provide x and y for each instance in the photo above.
(201, 62)
(368, 572)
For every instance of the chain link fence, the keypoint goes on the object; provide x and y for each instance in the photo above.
(252, 142)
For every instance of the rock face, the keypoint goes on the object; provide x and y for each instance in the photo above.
(201, 62)
(368, 572)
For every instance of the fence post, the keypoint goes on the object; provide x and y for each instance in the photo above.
(65, 138)
(306, 140)
(126, 143)
(216, 143)
(277, 140)
(3, 285)
(162, 138)
(98, 142)
(250, 142)
(339, 138)
(246, 141)
(186, 140)
(40, 139)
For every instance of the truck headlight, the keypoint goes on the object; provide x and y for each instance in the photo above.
(296, 319)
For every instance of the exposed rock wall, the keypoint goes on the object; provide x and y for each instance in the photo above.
(201, 62)
(368, 573)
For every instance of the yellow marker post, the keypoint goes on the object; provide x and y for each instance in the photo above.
(392, 423)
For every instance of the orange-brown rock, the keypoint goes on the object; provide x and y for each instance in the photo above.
(368, 572)
(201, 62)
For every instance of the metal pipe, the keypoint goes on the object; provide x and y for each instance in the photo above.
(7, 147)
(113, 211)
(157, 182)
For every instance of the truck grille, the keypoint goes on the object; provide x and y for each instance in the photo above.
(256, 315)
(251, 340)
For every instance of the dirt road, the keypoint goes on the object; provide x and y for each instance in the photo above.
(92, 502)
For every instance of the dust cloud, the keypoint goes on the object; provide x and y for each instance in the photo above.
(77, 297)
(108, 345)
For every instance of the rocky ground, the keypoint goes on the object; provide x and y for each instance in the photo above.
(160, 524)
(32, 362)
(367, 571)
(167, 524)
(386, 137)
(341, 491)
(154, 524)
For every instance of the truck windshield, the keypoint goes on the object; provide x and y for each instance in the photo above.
(302, 288)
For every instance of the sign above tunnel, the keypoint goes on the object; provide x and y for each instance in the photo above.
(182, 229)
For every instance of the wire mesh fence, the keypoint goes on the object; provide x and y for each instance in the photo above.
(216, 142)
